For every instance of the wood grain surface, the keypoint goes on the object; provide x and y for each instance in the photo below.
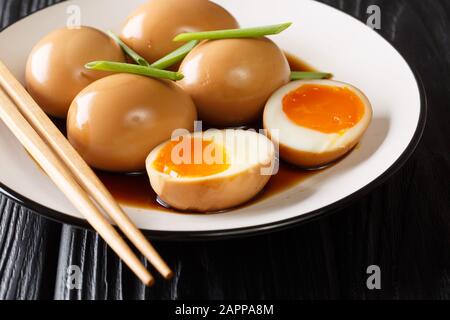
(402, 226)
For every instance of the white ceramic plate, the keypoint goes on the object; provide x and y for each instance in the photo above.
(324, 37)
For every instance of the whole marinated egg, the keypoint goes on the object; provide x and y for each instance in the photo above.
(152, 27)
(316, 122)
(55, 71)
(116, 121)
(213, 170)
(231, 80)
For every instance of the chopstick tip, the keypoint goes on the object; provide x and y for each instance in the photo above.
(168, 274)
(150, 282)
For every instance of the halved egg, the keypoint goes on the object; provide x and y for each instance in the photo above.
(316, 122)
(213, 170)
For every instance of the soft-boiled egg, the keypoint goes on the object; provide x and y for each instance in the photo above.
(213, 170)
(55, 71)
(116, 121)
(150, 29)
(316, 122)
(230, 80)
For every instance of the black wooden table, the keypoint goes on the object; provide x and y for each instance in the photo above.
(403, 226)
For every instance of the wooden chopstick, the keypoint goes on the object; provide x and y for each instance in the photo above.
(79, 168)
(62, 177)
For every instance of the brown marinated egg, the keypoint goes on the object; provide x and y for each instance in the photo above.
(152, 27)
(231, 80)
(55, 71)
(115, 122)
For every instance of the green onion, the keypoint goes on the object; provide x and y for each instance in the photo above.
(175, 56)
(298, 75)
(133, 54)
(163, 63)
(234, 33)
(134, 69)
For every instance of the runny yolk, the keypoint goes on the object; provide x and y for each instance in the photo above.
(191, 158)
(328, 109)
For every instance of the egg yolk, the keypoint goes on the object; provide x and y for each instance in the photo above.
(328, 109)
(191, 158)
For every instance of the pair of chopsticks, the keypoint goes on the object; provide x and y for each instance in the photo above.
(53, 152)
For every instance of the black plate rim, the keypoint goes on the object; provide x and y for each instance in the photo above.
(253, 230)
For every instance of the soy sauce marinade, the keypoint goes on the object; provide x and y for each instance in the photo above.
(135, 190)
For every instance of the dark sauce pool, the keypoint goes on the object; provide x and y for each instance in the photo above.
(135, 190)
